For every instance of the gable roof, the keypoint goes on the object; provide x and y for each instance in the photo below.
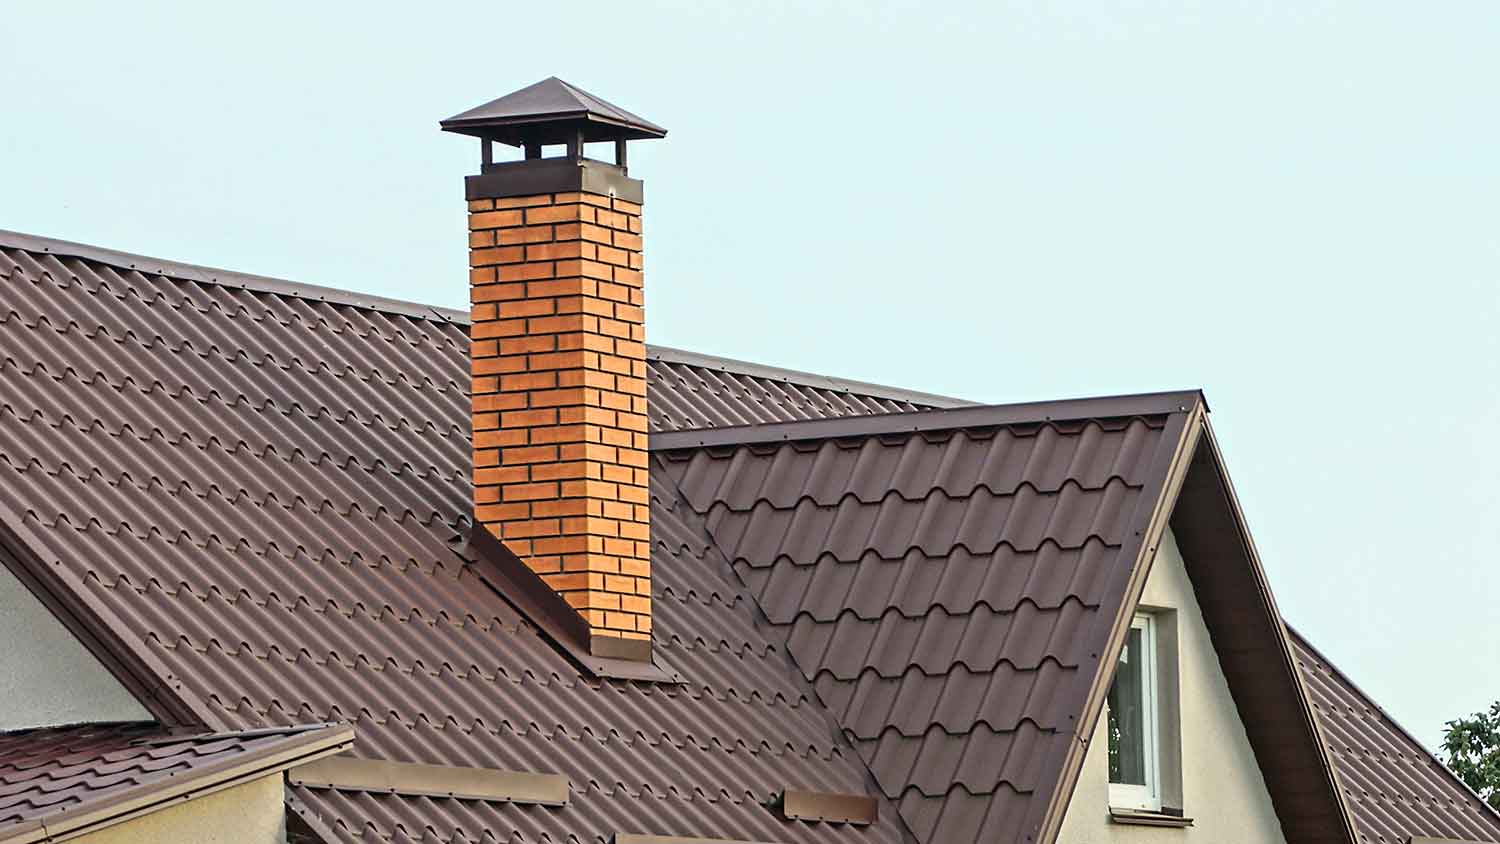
(949, 580)
(938, 582)
(1394, 787)
(72, 780)
(154, 412)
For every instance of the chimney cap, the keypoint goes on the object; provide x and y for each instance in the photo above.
(551, 111)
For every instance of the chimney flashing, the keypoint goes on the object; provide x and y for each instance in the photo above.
(605, 657)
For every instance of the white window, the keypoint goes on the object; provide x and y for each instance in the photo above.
(1134, 728)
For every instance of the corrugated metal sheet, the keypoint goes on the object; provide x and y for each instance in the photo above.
(1393, 786)
(690, 391)
(937, 588)
(49, 773)
(268, 490)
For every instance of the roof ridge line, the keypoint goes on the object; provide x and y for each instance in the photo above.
(668, 354)
(228, 278)
(340, 296)
(971, 416)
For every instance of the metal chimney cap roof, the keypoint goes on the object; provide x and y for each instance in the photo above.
(546, 113)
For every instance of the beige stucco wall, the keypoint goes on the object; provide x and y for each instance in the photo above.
(252, 813)
(1222, 788)
(47, 678)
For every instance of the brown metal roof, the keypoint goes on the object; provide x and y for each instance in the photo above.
(73, 779)
(266, 495)
(1393, 786)
(938, 587)
(949, 579)
(253, 494)
(691, 391)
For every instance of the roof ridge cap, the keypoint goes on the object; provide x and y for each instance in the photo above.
(939, 419)
(217, 276)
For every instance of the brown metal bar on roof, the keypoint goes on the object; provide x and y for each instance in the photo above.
(513, 580)
(349, 773)
(1068, 410)
(797, 805)
(623, 838)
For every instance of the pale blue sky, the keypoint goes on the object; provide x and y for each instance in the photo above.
(1291, 205)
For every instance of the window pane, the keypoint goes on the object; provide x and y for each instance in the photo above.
(1127, 717)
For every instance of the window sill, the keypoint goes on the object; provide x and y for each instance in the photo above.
(1139, 817)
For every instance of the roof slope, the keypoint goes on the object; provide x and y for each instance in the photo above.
(262, 494)
(690, 390)
(55, 781)
(1393, 786)
(948, 590)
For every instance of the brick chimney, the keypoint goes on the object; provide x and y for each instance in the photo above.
(558, 355)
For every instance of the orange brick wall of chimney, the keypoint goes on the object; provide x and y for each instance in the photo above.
(559, 397)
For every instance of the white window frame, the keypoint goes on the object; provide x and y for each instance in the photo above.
(1145, 797)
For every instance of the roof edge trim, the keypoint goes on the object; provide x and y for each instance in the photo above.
(97, 628)
(976, 416)
(1209, 489)
(300, 747)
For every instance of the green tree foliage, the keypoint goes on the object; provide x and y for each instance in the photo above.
(1473, 748)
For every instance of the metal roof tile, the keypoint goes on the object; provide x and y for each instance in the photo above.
(265, 481)
(935, 585)
(1393, 786)
(58, 776)
(268, 489)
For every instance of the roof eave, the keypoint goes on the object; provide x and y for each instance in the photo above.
(300, 747)
(499, 128)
